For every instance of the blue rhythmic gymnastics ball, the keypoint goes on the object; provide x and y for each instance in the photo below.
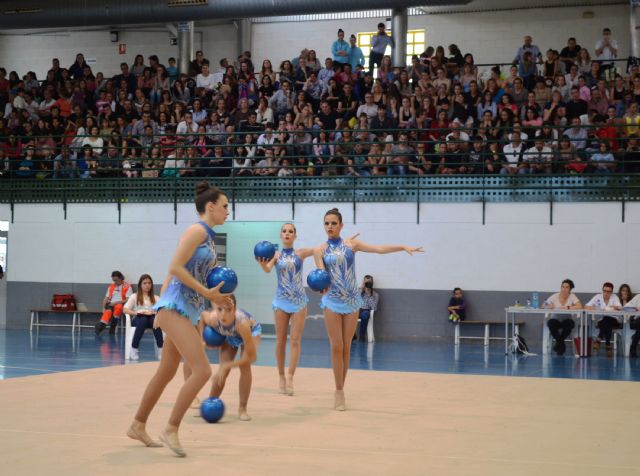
(318, 280)
(225, 274)
(212, 410)
(264, 250)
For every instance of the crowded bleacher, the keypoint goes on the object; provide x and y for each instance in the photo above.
(570, 110)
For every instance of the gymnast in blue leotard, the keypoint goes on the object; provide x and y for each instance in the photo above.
(240, 330)
(290, 302)
(342, 300)
(182, 300)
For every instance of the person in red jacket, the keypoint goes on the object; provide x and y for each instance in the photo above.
(113, 303)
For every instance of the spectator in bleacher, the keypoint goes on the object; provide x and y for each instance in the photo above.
(602, 160)
(567, 158)
(129, 79)
(552, 66)
(356, 57)
(76, 70)
(26, 165)
(172, 70)
(138, 66)
(340, 50)
(528, 47)
(560, 327)
(598, 103)
(577, 134)
(593, 76)
(379, 43)
(512, 153)
(282, 101)
(539, 158)
(631, 120)
(583, 62)
(606, 50)
(569, 53)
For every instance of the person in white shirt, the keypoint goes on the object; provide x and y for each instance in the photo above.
(205, 83)
(539, 158)
(607, 301)
(606, 50)
(559, 327)
(267, 139)
(218, 78)
(44, 109)
(512, 153)
(187, 127)
(140, 307)
(369, 108)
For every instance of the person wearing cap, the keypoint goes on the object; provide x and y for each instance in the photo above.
(379, 45)
(356, 57)
(340, 50)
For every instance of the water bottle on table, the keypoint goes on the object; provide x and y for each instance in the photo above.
(535, 300)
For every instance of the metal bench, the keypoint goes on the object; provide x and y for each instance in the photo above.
(76, 319)
(487, 335)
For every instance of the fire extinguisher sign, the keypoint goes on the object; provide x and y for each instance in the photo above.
(122, 48)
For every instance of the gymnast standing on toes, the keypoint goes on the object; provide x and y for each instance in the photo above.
(342, 301)
(240, 329)
(178, 310)
(290, 302)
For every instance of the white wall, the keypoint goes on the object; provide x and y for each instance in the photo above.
(24, 53)
(517, 249)
(490, 36)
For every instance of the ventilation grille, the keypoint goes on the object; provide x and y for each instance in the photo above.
(187, 3)
(20, 11)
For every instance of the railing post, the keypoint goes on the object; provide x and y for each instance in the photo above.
(418, 200)
(293, 196)
(175, 200)
(64, 201)
(354, 198)
(550, 201)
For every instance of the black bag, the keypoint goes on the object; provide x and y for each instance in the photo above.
(521, 345)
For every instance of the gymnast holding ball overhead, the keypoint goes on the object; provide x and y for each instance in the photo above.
(341, 302)
(178, 310)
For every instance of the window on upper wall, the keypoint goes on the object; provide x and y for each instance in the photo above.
(415, 44)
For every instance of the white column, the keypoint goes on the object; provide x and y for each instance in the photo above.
(399, 21)
(634, 33)
(244, 35)
(185, 45)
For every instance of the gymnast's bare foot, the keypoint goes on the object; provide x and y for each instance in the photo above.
(137, 431)
(289, 389)
(243, 415)
(339, 401)
(283, 384)
(170, 438)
